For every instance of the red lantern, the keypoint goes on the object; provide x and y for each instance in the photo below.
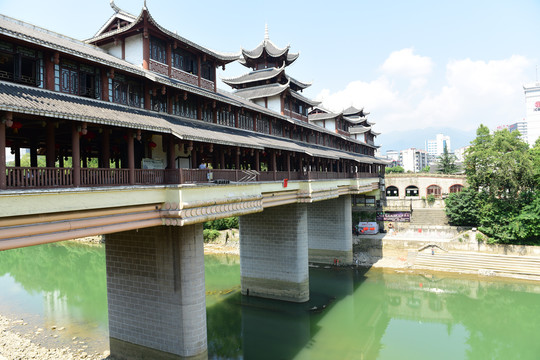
(152, 144)
(16, 126)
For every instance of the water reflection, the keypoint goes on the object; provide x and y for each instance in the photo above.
(352, 313)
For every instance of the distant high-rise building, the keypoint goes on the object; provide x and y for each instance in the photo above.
(532, 111)
(394, 156)
(520, 126)
(413, 159)
(460, 153)
(435, 147)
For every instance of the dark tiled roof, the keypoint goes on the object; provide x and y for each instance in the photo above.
(258, 75)
(322, 116)
(49, 104)
(218, 55)
(257, 92)
(296, 95)
(271, 50)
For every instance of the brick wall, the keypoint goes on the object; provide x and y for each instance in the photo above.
(273, 253)
(156, 292)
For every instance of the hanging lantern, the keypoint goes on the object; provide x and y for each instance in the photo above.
(138, 137)
(16, 126)
(152, 144)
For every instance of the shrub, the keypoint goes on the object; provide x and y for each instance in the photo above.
(222, 224)
(431, 199)
(210, 235)
(479, 237)
(466, 235)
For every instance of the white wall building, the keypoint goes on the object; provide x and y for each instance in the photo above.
(413, 159)
(436, 147)
(460, 153)
(532, 111)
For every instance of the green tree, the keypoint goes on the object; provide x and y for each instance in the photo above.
(447, 162)
(499, 164)
(395, 170)
(426, 169)
(464, 208)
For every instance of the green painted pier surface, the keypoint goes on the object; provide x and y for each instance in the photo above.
(352, 313)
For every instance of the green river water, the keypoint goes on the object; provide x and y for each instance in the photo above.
(353, 313)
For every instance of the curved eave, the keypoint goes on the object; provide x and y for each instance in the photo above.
(122, 15)
(20, 30)
(223, 57)
(304, 99)
(355, 119)
(322, 116)
(259, 75)
(258, 92)
(301, 85)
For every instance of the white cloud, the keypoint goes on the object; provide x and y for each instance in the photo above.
(404, 63)
(474, 92)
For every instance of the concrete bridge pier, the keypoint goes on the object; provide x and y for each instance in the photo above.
(156, 293)
(274, 253)
(330, 231)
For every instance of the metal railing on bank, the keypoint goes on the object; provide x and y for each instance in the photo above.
(43, 177)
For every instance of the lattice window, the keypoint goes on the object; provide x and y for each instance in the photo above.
(434, 190)
(158, 51)
(20, 64)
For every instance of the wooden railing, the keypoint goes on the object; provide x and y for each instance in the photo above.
(41, 177)
(26, 177)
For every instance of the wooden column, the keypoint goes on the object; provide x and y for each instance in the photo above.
(288, 164)
(131, 157)
(51, 148)
(222, 158)
(274, 163)
(33, 153)
(105, 86)
(49, 73)
(146, 47)
(17, 156)
(75, 154)
(199, 70)
(236, 115)
(171, 153)
(194, 164)
(237, 159)
(3, 180)
(105, 149)
(257, 161)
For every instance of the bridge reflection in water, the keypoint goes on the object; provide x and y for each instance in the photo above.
(351, 314)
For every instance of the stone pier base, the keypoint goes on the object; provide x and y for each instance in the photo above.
(156, 293)
(274, 254)
(330, 231)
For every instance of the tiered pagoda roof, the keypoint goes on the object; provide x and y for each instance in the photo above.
(270, 52)
(356, 117)
(268, 78)
(122, 22)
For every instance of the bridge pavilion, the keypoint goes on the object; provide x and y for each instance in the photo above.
(124, 121)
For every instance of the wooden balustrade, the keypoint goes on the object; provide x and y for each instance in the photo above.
(42, 177)
(27, 177)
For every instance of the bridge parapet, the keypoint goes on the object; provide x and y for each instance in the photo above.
(33, 217)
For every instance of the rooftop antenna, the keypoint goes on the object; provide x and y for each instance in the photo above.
(266, 36)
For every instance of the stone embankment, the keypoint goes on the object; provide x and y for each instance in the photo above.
(18, 342)
(454, 251)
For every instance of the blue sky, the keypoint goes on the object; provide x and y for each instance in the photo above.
(418, 67)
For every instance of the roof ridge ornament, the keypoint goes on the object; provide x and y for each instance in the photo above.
(266, 36)
(114, 7)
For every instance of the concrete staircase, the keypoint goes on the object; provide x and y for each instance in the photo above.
(484, 264)
(428, 217)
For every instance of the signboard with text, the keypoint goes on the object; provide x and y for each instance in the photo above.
(397, 216)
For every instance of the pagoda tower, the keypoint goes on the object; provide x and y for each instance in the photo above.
(268, 84)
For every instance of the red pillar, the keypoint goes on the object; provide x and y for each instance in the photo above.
(105, 149)
(171, 153)
(237, 162)
(3, 182)
(51, 148)
(131, 157)
(289, 165)
(75, 154)
(257, 161)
